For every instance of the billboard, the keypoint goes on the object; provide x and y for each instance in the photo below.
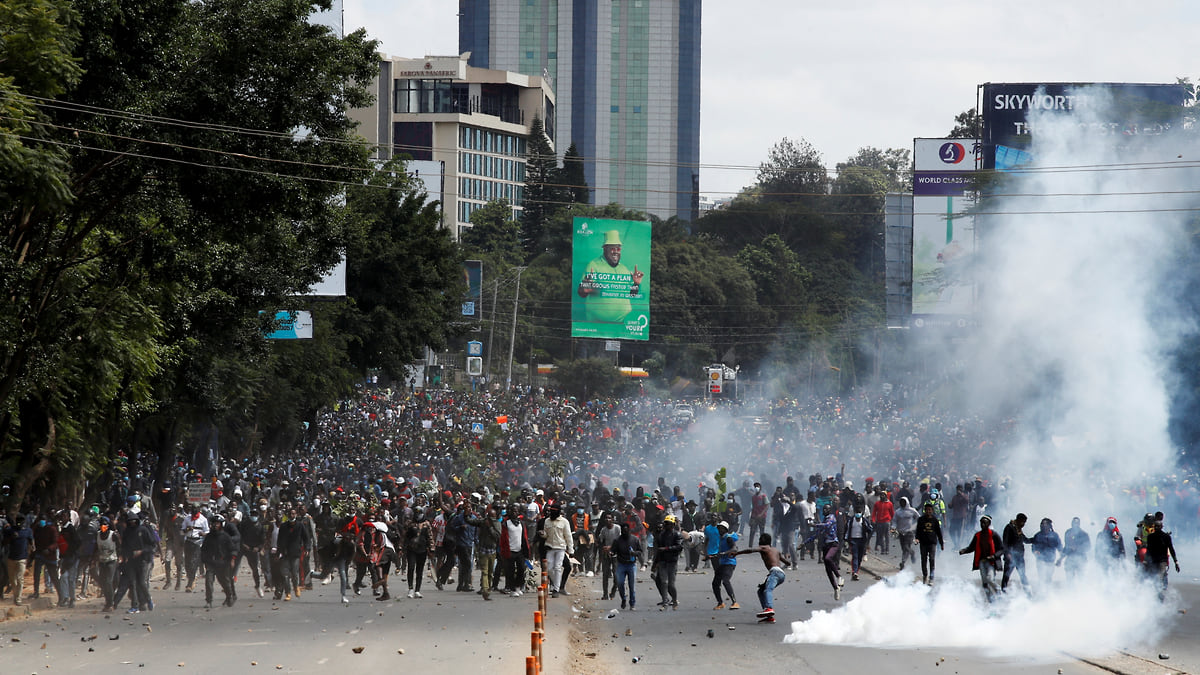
(472, 307)
(1120, 111)
(610, 274)
(943, 236)
(292, 325)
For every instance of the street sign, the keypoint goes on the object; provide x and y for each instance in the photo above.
(714, 381)
(474, 348)
(474, 365)
(612, 345)
(477, 428)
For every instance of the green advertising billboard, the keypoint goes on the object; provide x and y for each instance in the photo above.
(610, 271)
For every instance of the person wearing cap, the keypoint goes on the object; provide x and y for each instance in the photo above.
(193, 528)
(724, 565)
(988, 548)
(668, 545)
(607, 286)
(217, 553)
(107, 548)
(137, 554)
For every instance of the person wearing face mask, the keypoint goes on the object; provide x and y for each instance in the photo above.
(45, 554)
(581, 529)
(251, 547)
(20, 545)
(194, 528)
(759, 506)
(1110, 545)
(107, 546)
(858, 534)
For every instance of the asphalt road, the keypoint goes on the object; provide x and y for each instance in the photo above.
(459, 631)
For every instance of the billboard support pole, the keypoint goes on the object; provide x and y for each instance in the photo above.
(492, 328)
(512, 338)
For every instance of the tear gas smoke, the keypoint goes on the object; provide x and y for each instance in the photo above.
(1077, 318)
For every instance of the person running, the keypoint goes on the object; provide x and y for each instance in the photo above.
(774, 563)
(929, 536)
(724, 566)
(1014, 551)
(1046, 544)
(858, 535)
(1159, 552)
(828, 537)
(987, 546)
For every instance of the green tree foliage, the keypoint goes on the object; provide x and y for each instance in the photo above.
(397, 244)
(133, 275)
(494, 236)
(588, 377)
(572, 178)
(543, 194)
(967, 124)
(794, 172)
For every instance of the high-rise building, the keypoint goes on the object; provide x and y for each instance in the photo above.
(469, 126)
(626, 74)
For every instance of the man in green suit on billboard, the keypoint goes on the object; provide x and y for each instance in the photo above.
(608, 285)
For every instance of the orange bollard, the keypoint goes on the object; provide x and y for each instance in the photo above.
(531, 665)
(537, 621)
(535, 646)
(542, 600)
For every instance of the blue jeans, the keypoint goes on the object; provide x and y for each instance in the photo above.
(766, 592)
(627, 571)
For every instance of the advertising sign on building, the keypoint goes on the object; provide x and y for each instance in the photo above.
(472, 305)
(610, 273)
(943, 235)
(292, 326)
(1121, 112)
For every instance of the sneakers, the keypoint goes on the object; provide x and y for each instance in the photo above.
(287, 597)
(259, 591)
(410, 593)
(841, 582)
(565, 592)
(417, 594)
(345, 600)
(767, 619)
(766, 612)
(854, 577)
(135, 610)
(327, 580)
(516, 594)
(837, 593)
(590, 573)
(734, 605)
(720, 605)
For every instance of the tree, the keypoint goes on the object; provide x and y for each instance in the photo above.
(403, 272)
(587, 377)
(794, 171)
(967, 124)
(542, 195)
(494, 234)
(132, 277)
(573, 181)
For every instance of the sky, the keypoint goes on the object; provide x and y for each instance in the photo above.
(864, 73)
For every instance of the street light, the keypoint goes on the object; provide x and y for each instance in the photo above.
(512, 338)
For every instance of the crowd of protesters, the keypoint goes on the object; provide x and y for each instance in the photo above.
(437, 486)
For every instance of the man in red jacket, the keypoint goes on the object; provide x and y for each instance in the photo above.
(881, 517)
(987, 547)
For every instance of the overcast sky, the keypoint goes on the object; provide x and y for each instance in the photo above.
(857, 73)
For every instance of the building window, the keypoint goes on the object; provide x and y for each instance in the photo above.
(615, 108)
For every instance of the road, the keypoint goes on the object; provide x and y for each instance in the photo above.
(879, 626)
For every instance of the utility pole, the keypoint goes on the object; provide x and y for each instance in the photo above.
(492, 328)
(512, 338)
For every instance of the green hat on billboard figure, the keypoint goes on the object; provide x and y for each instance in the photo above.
(611, 238)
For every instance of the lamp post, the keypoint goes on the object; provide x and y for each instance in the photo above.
(512, 337)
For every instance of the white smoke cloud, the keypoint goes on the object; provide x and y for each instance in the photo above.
(1077, 322)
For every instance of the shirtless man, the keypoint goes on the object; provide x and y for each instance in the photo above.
(772, 560)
